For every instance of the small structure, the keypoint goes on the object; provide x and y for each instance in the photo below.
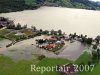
(19, 34)
(58, 42)
(50, 43)
(50, 46)
(68, 69)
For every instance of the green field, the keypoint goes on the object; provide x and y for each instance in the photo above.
(23, 67)
(84, 59)
(1, 39)
(30, 2)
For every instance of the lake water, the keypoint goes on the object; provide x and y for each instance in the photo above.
(68, 20)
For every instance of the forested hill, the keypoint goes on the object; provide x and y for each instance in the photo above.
(18, 5)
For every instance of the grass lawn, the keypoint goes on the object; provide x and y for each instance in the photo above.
(4, 31)
(28, 32)
(9, 67)
(84, 58)
(1, 39)
(58, 47)
(5, 64)
(11, 35)
(7, 33)
(23, 67)
(96, 71)
(51, 62)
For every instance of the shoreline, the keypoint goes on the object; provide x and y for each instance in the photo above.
(49, 7)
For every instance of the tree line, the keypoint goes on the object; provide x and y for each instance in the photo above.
(19, 5)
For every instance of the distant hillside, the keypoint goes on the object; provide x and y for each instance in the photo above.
(83, 4)
(15, 5)
(18, 5)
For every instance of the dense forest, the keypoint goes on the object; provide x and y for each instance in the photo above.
(19, 5)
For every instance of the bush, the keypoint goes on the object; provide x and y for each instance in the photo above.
(41, 57)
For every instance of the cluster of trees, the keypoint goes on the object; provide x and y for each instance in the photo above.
(84, 4)
(59, 32)
(11, 5)
(5, 22)
(19, 5)
(96, 50)
(40, 57)
(81, 38)
(84, 39)
(16, 27)
(47, 32)
(87, 40)
(15, 5)
(95, 54)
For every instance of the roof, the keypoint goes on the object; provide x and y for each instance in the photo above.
(51, 45)
(19, 33)
(68, 69)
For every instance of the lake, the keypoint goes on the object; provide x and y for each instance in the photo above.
(69, 20)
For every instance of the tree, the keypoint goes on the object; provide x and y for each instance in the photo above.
(41, 57)
(89, 63)
(41, 0)
(73, 36)
(25, 26)
(46, 32)
(55, 32)
(3, 19)
(84, 40)
(89, 41)
(94, 46)
(1, 26)
(18, 27)
(81, 35)
(34, 28)
(60, 32)
(11, 26)
(41, 30)
(16, 5)
(98, 53)
(92, 8)
(85, 36)
(94, 56)
(52, 32)
(11, 5)
(97, 39)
